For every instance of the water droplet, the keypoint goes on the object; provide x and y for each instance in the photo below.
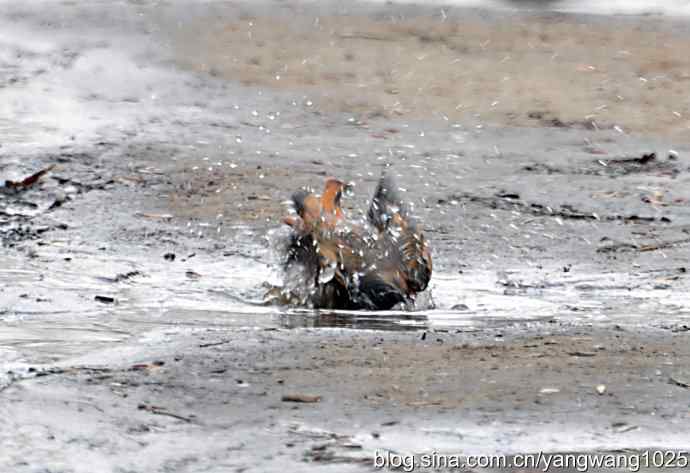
(326, 274)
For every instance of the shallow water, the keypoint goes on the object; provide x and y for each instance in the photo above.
(51, 315)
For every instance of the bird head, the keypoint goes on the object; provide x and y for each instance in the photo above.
(331, 199)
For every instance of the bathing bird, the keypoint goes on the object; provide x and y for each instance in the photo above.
(372, 265)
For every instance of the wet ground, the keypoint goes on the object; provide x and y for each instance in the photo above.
(132, 334)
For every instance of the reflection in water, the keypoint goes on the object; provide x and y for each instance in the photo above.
(363, 320)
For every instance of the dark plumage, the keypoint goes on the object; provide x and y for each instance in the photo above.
(370, 267)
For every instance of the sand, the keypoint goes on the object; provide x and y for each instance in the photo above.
(518, 69)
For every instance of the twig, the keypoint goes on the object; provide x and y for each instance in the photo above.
(304, 398)
(663, 244)
(28, 181)
(213, 344)
(363, 36)
(162, 412)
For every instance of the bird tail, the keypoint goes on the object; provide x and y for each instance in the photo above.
(402, 238)
(386, 203)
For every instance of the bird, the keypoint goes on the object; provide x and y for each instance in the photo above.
(372, 265)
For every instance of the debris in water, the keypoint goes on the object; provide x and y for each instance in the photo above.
(508, 195)
(601, 389)
(162, 412)
(192, 274)
(29, 181)
(664, 245)
(214, 344)
(147, 366)
(582, 353)
(435, 402)
(304, 398)
(642, 160)
(121, 277)
(622, 427)
(460, 307)
(657, 198)
(565, 211)
(679, 382)
(154, 216)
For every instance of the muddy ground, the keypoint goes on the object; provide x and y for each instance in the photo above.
(132, 337)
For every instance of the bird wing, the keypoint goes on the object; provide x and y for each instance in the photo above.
(406, 253)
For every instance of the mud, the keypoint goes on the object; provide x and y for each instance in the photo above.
(132, 331)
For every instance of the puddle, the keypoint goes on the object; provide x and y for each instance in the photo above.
(50, 314)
